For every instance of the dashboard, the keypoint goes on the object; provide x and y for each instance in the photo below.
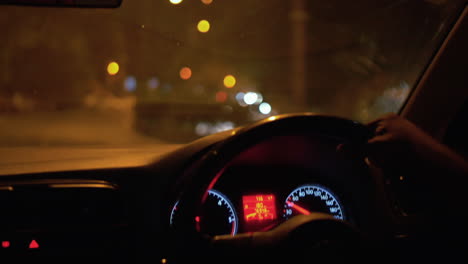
(261, 188)
(262, 176)
(251, 180)
(261, 211)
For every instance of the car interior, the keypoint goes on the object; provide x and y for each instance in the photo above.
(280, 188)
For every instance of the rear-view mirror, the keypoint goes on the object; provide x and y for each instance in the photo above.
(65, 3)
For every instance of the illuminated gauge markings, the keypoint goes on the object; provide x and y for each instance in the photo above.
(311, 198)
(217, 216)
(173, 214)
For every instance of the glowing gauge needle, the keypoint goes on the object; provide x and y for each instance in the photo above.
(298, 208)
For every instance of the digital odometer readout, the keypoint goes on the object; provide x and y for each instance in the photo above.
(259, 207)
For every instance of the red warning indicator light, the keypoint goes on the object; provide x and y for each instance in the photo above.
(33, 244)
(259, 207)
(5, 244)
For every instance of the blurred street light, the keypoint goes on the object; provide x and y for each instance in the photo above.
(130, 84)
(250, 98)
(221, 96)
(264, 108)
(229, 81)
(112, 68)
(203, 26)
(185, 73)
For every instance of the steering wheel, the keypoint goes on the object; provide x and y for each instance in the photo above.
(297, 237)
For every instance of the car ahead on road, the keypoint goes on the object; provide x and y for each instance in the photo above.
(179, 131)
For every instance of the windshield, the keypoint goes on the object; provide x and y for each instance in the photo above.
(172, 71)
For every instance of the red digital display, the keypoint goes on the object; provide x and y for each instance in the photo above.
(259, 207)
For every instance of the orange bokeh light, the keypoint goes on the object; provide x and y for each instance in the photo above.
(185, 73)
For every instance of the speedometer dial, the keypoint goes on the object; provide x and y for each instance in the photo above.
(312, 198)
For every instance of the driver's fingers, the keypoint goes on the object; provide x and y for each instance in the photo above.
(380, 130)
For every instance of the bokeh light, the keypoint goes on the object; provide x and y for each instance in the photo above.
(153, 83)
(264, 108)
(229, 81)
(202, 129)
(203, 26)
(240, 98)
(221, 96)
(175, 2)
(130, 84)
(185, 73)
(112, 68)
(206, 128)
(259, 98)
(207, 2)
(250, 98)
(166, 88)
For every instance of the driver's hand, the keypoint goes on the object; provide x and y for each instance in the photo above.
(400, 146)
(393, 128)
(436, 175)
(397, 143)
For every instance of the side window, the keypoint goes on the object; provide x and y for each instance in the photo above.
(456, 136)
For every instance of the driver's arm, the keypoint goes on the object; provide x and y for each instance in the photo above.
(401, 146)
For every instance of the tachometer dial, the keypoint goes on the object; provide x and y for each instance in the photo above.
(217, 215)
(174, 211)
(312, 198)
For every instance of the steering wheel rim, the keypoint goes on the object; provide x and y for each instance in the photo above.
(206, 171)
